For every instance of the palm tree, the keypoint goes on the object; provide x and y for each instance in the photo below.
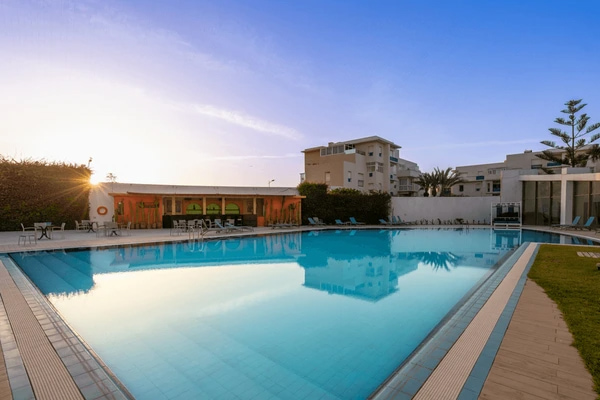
(446, 179)
(426, 182)
(576, 150)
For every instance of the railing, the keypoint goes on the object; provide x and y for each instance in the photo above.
(407, 188)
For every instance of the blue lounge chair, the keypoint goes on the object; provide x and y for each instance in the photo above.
(339, 222)
(383, 221)
(315, 222)
(354, 222)
(587, 224)
(571, 225)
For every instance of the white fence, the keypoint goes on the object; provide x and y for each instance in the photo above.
(435, 209)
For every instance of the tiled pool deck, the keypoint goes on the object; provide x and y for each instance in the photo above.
(507, 341)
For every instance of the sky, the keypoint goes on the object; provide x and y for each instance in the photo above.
(229, 93)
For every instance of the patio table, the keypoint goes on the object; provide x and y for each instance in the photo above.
(43, 227)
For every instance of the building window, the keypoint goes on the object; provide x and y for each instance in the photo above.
(213, 209)
(380, 151)
(327, 177)
(178, 206)
(232, 208)
(349, 176)
(361, 183)
(461, 188)
(193, 208)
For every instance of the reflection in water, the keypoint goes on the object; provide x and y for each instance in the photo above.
(298, 308)
(437, 260)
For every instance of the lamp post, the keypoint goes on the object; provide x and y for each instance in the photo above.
(269, 183)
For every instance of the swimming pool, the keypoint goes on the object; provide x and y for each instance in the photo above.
(326, 314)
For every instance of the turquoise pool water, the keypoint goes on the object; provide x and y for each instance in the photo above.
(328, 314)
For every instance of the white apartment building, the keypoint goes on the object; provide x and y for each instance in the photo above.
(367, 164)
(485, 179)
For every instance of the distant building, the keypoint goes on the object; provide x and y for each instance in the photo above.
(367, 164)
(485, 179)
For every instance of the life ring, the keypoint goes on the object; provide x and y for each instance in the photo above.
(102, 210)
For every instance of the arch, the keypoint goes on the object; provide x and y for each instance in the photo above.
(213, 209)
(232, 208)
(193, 208)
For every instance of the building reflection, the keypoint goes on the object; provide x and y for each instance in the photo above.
(348, 262)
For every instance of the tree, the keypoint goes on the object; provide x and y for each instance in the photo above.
(446, 179)
(576, 150)
(426, 182)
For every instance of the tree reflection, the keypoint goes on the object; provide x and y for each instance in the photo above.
(437, 260)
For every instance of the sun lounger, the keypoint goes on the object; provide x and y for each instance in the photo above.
(315, 221)
(339, 222)
(587, 224)
(571, 225)
(383, 222)
(354, 222)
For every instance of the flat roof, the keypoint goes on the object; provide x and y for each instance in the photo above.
(182, 190)
(356, 141)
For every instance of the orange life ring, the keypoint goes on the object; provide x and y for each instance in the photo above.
(102, 210)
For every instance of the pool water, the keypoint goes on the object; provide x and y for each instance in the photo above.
(321, 314)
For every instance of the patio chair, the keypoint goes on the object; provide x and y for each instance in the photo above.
(383, 222)
(26, 235)
(339, 222)
(572, 224)
(175, 229)
(60, 229)
(126, 229)
(319, 221)
(354, 222)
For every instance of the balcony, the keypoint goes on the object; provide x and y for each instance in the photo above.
(408, 188)
(407, 173)
(394, 160)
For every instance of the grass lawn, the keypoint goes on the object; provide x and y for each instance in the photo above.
(573, 283)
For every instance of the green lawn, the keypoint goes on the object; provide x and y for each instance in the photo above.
(573, 283)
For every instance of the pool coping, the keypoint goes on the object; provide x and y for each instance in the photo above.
(90, 375)
(410, 378)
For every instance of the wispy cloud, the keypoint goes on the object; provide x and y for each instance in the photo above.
(247, 121)
(440, 145)
(256, 157)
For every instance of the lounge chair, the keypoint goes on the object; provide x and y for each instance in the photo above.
(571, 225)
(383, 222)
(231, 227)
(339, 222)
(315, 222)
(587, 224)
(354, 222)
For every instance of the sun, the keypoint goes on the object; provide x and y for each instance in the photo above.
(95, 179)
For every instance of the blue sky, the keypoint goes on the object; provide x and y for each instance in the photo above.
(230, 92)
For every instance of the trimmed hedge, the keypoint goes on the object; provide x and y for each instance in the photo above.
(38, 191)
(342, 204)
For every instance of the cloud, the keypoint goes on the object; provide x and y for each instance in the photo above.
(247, 121)
(255, 157)
(474, 144)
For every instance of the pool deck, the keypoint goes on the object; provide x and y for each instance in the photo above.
(508, 341)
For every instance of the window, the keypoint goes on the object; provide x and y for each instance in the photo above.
(232, 208)
(250, 206)
(370, 150)
(327, 177)
(178, 206)
(213, 209)
(193, 208)
(168, 203)
(461, 188)
(349, 176)
(380, 151)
